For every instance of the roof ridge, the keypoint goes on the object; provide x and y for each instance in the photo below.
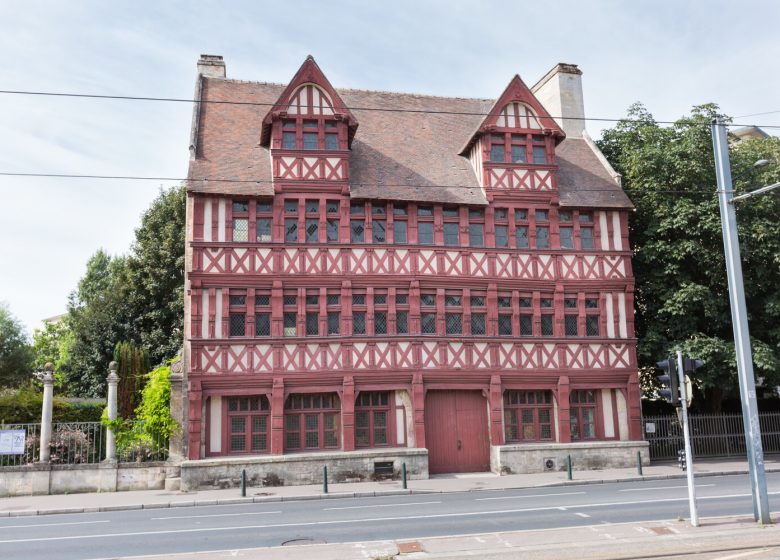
(362, 90)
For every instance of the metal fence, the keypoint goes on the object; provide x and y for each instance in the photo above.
(712, 435)
(74, 443)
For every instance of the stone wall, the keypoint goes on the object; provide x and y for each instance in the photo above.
(65, 479)
(301, 468)
(540, 457)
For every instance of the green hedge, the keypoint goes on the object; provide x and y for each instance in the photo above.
(24, 406)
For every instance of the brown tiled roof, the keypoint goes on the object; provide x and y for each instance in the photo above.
(396, 155)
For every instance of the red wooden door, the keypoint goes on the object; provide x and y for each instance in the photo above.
(456, 432)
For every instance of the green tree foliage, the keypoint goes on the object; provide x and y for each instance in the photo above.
(681, 290)
(155, 410)
(132, 366)
(155, 276)
(52, 345)
(15, 356)
(137, 299)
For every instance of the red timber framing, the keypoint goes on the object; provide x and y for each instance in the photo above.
(339, 316)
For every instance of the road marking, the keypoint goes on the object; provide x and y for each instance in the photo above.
(585, 515)
(52, 524)
(742, 554)
(528, 496)
(381, 505)
(216, 515)
(364, 520)
(663, 488)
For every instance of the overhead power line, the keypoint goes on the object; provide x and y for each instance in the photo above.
(379, 109)
(266, 181)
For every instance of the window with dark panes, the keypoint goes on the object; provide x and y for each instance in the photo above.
(519, 148)
(373, 419)
(478, 314)
(291, 230)
(400, 224)
(332, 221)
(264, 220)
(582, 414)
(359, 310)
(504, 318)
(240, 221)
(428, 313)
(453, 315)
(288, 135)
(586, 237)
(547, 316)
(591, 316)
(262, 313)
(402, 312)
(476, 227)
(310, 135)
(425, 225)
(312, 323)
(501, 217)
(379, 231)
(290, 315)
(497, 148)
(291, 206)
(248, 421)
(539, 151)
(312, 421)
(237, 313)
(358, 228)
(312, 221)
(451, 226)
(543, 230)
(331, 136)
(380, 312)
(521, 229)
(528, 416)
(570, 316)
(566, 230)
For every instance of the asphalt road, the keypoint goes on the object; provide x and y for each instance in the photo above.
(191, 529)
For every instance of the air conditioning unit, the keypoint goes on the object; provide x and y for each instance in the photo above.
(550, 464)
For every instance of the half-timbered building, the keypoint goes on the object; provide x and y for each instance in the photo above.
(376, 277)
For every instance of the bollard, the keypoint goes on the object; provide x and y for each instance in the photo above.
(568, 467)
(403, 474)
(639, 463)
(325, 480)
(243, 483)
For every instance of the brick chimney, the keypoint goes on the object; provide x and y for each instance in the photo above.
(211, 66)
(560, 91)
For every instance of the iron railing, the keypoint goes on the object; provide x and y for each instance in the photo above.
(74, 443)
(712, 435)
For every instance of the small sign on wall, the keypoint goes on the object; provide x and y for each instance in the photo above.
(12, 442)
(649, 427)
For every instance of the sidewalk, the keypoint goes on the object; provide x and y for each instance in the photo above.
(149, 499)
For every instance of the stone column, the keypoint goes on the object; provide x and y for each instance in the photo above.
(176, 441)
(348, 414)
(564, 421)
(113, 381)
(48, 403)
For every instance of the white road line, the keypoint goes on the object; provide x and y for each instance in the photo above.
(527, 496)
(581, 514)
(364, 520)
(216, 515)
(52, 524)
(663, 488)
(381, 505)
(742, 554)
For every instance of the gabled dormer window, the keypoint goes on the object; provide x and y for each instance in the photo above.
(310, 122)
(514, 141)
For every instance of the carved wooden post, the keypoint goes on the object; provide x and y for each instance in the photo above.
(46, 412)
(113, 381)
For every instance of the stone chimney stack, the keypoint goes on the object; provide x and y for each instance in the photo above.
(211, 66)
(560, 91)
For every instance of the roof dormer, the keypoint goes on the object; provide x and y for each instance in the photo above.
(310, 109)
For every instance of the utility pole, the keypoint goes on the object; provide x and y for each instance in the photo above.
(747, 382)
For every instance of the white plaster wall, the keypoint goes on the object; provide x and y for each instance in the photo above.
(402, 397)
(215, 424)
(221, 220)
(606, 407)
(207, 220)
(622, 411)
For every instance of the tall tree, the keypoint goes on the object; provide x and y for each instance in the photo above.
(681, 290)
(155, 276)
(52, 344)
(15, 357)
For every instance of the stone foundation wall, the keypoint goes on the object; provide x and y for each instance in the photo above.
(67, 479)
(541, 457)
(302, 468)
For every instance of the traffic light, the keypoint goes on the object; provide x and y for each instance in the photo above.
(690, 365)
(670, 383)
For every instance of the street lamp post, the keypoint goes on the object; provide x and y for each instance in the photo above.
(747, 383)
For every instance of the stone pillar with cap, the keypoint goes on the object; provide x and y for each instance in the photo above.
(46, 413)
(113, 381)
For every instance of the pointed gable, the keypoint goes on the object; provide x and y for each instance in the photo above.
(517, 107)
(309, 92)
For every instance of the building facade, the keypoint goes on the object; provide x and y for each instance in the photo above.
(382, 272)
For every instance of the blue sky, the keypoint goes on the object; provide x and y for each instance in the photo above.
(670, 55)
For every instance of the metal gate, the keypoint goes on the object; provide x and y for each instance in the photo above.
(712, 435)
(456, 432)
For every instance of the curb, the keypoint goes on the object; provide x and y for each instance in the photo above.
(342, 495)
